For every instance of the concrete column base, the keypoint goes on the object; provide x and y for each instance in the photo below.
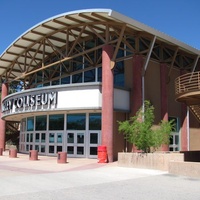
(33, 155)
(62, 157)
(13, 153)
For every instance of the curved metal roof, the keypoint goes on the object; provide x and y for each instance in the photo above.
(27, 50)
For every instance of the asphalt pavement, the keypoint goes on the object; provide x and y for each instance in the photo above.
(86, 179)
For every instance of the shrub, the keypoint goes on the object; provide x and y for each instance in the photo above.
(138, 129)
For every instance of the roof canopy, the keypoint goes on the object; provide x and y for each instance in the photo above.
(27, 53)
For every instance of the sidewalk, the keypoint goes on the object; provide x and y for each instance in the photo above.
(85, 179)
(45, 164)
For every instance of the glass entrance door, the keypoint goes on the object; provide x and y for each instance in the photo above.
(76, 144)
(94, 141)
(55, 143)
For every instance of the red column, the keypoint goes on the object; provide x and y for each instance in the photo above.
(184, 139)
(137, 87)
(4, 93)
(164, 98)
(184, 122)
(107, 101)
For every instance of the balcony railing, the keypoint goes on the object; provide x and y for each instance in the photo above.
(187, 85)
(187, 89)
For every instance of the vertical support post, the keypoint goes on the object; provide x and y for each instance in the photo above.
(184, 128)
(164, 98)
(4, 93)
(107, 100)
(184, 125)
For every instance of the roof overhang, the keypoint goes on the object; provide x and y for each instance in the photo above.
(55, 30)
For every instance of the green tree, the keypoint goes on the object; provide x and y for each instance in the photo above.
(138, 130)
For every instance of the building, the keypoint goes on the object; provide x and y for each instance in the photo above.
(83, 71)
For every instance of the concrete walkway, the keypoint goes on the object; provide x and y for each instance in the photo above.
(85, 179)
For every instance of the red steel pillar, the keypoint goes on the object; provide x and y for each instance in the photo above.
(107, 100)
(137, 87)
(164, 98)
(4, 93)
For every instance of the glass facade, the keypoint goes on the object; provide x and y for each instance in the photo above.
(79, 134)
(94, 75)
(82, 68)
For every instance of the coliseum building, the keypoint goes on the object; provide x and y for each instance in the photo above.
(83, 71)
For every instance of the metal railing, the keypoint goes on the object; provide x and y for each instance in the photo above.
(187, 88)
(187, 83)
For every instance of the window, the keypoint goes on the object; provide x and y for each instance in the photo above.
(70, 138)
(41, 123)
(37, 147)
(174, 140)
(30, 123)
(42, 148)
(77, 62)
(119, 74)
(37, 137)
(31, 137)
(51, 137)
(93, 138)
(27, 137)
(176, 123)
(39, 78)
(65, 80)
(89, 76)
(51, 149)
(47, 84)
(99, 74)
(55, 75)
(95, 121)
(70, 150)
(59, 148)
(77, 78)
(93, 150)
(56, 122)
(43, 138)
(59, 138)
(76, 121)
(80, 138)
(131, 41)
(80, 150)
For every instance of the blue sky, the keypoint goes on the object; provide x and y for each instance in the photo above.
(176, 18)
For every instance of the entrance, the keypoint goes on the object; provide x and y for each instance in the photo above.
(94, 141)
(82, 144)
(76, 144)
(49, 134)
